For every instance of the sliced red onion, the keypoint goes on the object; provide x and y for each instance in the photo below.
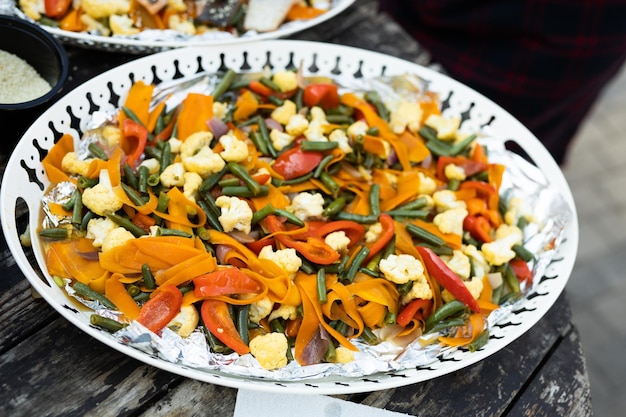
(273, 124)
(218, 127)
(220, 253)
(241, 237)
(316, 348)
(90, 256)
(392, 158)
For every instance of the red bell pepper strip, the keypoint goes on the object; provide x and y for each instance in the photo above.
(143, 221)
(159, 310)
(56, 8)
(412, 309)
(295, 162)
(521, 270)
(218, 321)
(134, 140)
(438, 269)
(353, 230)
(469, 167)
(323, 95)
(389, 230)
(478, 227)
(260, 88)
(484, 190)
(314, 249)
(224, 282)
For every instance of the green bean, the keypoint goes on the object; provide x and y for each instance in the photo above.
(439, 250)
(425, 235)
(390, 249)
(229, 182)
(316, 145)
(85, 220)
(403, 289)
(126, 224)
(141, 297)
(390, 318)
(297, 180)
(453, 184)
(77, 210)
(212, 180)
(339, 119)
(335, 207)
(106, 323)
(374, 199)
(87, 292)
(289, 216)
(262, 213)
(265, 136)
(133, 196)
(142, 185)
(258, 142)
(211, 216)
(369, 272)
(133, 290)
(58, 281)
(443, 312)
(243, 191)
(186, 288)
(298, 99)
(414, 205)
(275, 100)
(97, 151)
(372, 265)
(381, 109)
(330, 183)
(162, 202)
(480, 341)
(510, 278)
(321, 286)
(129, 176)
(307, 267)
(277, 326)
(269, 83)
(166, 157)
(153, 180)
(214, 343)
(47, 21)
(224, 84)
(322, 166)
(458, 147)
(242, 173)
(359, 218)
(163, 231)
(428, 133)
(55, 233)
(496, 294)
(368, 336)
(153, 152)
(84, 182)
(242, 323)
(131, 115)
(331, 353)
(438, 147)
(411, 214)
(338, 268)
(69, 204)
(523, 253)
(148, 278)
(373, 131)
(446, 324)
(356, 263)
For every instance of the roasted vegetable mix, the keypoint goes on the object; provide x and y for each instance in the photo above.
(285, 217)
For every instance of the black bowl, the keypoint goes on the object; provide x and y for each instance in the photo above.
(45, 54)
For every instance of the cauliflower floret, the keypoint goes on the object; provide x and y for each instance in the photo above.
(297, 125)
(259, 309)
(186, 321)
(33, 8)
(454, 172)
(499, 251)
(474, 286)
(175, 145)
(236, 214)
(287, 259)
(105, 8)
(283, 113)
(280, 139)
(338, 241)
(446, 200)
(285, 80)
(175, 22)
(307, 205)
(198, 157)
(446, 127)
(459, 263)
(317, 126)
(373, 232)
(190, 188)
(427, 184)
(270, 350)
(98, 228)
(173, 175)
(122, 25)
(112, 135)
(451, 221)
(177, 5)
(101, 198)
(72, 165)
(481, 267)
(408, 114)
(340, 136)
(153, 165)
(220, 109)
(517, 208)
(235, 150)
(116, 237)
(284, 312)
(343, 355)
(358, 128)
(402, 268)
(420, 289)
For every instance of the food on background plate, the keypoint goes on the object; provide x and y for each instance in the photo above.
(189, 17)
(286, 217)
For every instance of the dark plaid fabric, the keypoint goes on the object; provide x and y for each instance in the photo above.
(544, 61)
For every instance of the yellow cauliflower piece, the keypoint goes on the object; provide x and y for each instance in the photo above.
(451, 221)
(185, 322)
(343, 355)
(287, 259)
(340, 136)
(173, 175)
(459, 263)
(116, 237)
(280, 140)
(98, 9)
(70, 164)
(270, 350)
(98, 228)
(499, 251)
(284, 312)
(408, 114)
(285, 80)
(307, 205)
(373, 232)
(198, 157)
(446, 127)
(296, 125)
(402, 268)
(33, 8)
(112, 134)
(235, 150)
(236, 214)
(283, 113)
(446, 200)
(122, 25)
(101, 198)
(338, 241)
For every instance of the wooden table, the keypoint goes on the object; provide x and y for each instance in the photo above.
(48, 367)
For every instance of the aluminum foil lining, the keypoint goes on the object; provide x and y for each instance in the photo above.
(551, 214)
